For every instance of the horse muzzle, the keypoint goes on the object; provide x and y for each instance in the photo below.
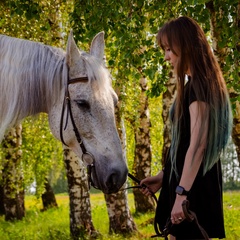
(109, 180)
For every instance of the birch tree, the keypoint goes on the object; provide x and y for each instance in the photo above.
(12, 175)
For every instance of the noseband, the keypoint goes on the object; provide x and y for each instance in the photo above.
(87, 157)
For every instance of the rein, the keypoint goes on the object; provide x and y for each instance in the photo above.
(140, 186)
(87, 157)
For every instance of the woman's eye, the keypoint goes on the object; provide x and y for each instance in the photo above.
(82, 104)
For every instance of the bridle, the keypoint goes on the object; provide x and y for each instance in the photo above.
(87, 157)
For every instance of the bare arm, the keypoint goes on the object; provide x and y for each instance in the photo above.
(193, 158)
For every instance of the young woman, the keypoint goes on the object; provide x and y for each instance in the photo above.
(201, 125)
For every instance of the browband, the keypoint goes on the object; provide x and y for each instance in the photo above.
(75, 80)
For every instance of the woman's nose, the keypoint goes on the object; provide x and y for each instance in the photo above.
(166, 56)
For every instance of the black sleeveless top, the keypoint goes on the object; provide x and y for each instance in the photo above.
(205, 195)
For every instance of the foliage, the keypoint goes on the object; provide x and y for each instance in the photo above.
(35, 20)
(61, 184)
(156, 131)
(227, 32)
(54, 223)
(130, 28)
(42, 153)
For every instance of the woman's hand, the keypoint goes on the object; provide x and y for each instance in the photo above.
(153, 184)
(177, 214)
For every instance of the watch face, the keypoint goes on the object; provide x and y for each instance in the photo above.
(179, 190)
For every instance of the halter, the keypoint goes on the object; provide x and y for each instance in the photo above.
(87, 157)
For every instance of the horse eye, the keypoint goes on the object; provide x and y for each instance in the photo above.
(83, 104)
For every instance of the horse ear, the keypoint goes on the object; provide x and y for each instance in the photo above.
(97, 46)
(73, 58)
(72, 54)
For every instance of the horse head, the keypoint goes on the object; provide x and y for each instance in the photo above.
(91, 105)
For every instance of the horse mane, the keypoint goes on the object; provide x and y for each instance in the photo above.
(31, 78)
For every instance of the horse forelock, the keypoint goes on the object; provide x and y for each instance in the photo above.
(98, 74)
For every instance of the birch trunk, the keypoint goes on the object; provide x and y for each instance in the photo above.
(2, 210)
(79, 199)
(168, 98)
(48, 197)
(143, 154)
(13, 188)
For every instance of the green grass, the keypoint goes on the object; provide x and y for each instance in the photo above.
(232, 215)
(54, 223)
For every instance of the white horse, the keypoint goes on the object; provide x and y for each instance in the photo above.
(74, 88)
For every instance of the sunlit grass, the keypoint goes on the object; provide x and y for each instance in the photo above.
(54, 223)
(101, 221)
(232, 215)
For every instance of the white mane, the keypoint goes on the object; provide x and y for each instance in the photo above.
(31, 78)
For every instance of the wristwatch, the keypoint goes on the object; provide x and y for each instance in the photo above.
(181, 191)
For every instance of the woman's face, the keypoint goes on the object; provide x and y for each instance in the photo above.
(170, 57)
(169, 54)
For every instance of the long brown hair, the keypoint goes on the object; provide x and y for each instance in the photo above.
(187, 40)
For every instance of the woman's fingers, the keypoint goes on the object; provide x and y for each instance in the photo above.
(177, 219)
(146, 191)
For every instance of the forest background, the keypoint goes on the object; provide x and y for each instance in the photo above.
(142, 80)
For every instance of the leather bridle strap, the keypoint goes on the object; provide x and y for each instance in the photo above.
(87, 157)
(67, 102)
(191, 216)
(77, 134)
(61, 120)
(76, 80)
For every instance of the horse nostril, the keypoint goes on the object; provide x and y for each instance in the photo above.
(112, 181)
(115, 181)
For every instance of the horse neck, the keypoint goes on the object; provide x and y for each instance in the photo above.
(30, 79)
(47, 86)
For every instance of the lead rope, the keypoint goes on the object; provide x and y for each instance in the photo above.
(157, 230)
(139, 186)
(191, 216)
